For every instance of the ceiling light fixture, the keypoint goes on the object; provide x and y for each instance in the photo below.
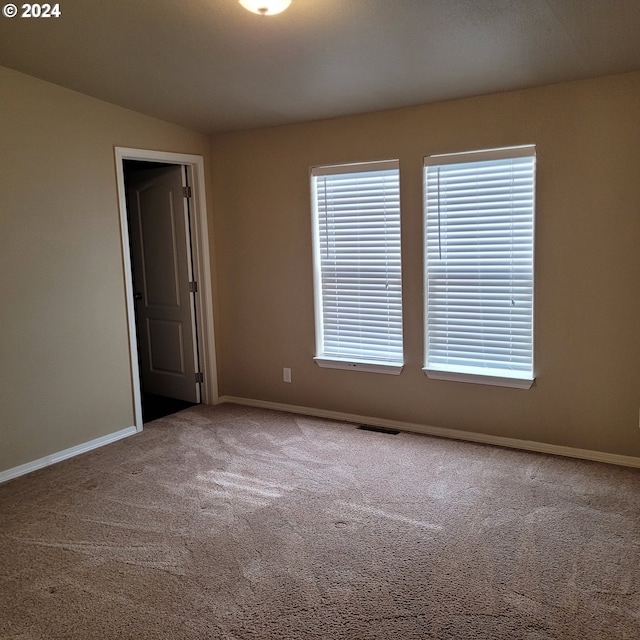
(265, 7)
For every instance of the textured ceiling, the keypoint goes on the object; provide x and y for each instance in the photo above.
(213, 66)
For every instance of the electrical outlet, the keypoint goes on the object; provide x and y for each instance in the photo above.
(286, 374)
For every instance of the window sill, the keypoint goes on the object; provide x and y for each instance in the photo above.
(360, 365)
(477, 378)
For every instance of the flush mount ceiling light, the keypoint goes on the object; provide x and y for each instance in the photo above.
(265, 7)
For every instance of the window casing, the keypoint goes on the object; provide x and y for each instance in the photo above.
(357, 270)
(479, 266)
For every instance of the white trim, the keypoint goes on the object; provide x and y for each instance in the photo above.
(201, 263)
(454, 434)
(354, 167)
(359, 365)
(53, 458)
(187, 180)
(478, 378)
(522, 151)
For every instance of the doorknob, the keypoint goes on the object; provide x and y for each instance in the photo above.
(137, 296)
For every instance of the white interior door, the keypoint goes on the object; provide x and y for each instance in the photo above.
(162, 276)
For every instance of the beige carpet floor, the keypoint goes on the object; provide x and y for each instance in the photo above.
(237, 523)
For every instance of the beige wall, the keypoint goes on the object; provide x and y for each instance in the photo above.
(587, 393)
(64, 363)
(64, 366)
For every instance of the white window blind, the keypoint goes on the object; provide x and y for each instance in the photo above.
(357, 266)
(479, 210)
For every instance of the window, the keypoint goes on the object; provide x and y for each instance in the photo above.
(479, 220)
(358, 288)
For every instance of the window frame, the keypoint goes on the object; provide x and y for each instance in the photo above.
(461, 373)
(323, 357)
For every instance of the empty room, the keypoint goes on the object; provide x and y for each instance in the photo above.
(320, 319)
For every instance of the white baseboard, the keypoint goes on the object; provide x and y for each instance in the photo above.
(9, 474)
(469, 436)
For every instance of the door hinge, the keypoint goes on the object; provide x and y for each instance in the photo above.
(199, 377)
(193, 287)
(186, 192)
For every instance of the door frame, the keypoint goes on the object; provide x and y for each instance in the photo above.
(201, 267)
